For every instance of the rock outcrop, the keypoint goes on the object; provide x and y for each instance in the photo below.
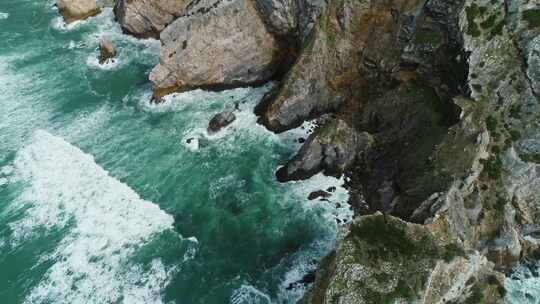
(347, 37)
(220, 121)
(106, 51)
(73, 10)
(147, 18)
(330, 149)
(472, 174)
(385, 260)
(215, 45)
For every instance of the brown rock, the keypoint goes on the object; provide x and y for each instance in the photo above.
(106, 51)
(73, 10)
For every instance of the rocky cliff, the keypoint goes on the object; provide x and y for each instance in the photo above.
(429, 107)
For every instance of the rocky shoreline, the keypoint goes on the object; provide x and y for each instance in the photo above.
(430, 108)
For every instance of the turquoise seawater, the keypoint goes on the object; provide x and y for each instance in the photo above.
(102, 198)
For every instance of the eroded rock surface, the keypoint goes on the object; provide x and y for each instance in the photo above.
(216, 45)
(329, 70)
(147, 18)
(73, 10)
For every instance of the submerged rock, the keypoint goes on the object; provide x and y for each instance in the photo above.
(318, 194)
(220, 121)
(147, 18)
(215, 45)
(106, 51)
(73, 10)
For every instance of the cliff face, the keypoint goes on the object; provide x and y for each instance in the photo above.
(431, 109)
(458, 154)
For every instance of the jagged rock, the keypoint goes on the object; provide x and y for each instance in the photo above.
(219, 45)
(147, 18)
(73, 10)
(329, 69)
(220, 121)
(330, 149)
(386, 260)
(106, 51)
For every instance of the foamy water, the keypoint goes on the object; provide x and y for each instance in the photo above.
(107, 222)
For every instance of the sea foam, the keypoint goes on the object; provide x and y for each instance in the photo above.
(107, 222)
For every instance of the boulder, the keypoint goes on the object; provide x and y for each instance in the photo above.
(73, 10)
(147, 18)
(220, 121)
(330, 149)
(215, 45)
(106, 51)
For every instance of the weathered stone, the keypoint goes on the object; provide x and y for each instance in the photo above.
(330, 149)
(221, 45)
(73, 10)
(147, 18)
(106, 51)
(220, 121)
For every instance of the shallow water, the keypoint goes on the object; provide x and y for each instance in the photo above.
(102, 198)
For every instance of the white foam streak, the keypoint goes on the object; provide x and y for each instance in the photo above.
(107, 223)
(4, 16)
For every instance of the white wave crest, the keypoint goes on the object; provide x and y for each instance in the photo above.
(106, 222)
(4, 16)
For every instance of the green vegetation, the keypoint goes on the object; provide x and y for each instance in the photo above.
(492, 166)
(491, 123)
(530, 157)
(532, 16)
(472, 12)
(428, 36)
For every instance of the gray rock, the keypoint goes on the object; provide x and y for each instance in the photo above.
(106, 51)
(294, 18)
(73, 10)
(147, 18)
(220, 121)
(330, 150)
(215, 45)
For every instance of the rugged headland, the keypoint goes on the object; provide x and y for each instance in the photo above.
(430, 108)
